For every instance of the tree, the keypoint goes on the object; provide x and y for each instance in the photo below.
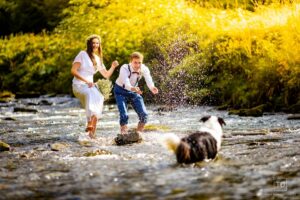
(30, 16)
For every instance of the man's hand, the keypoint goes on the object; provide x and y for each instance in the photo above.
(137, 90)
(154, 90)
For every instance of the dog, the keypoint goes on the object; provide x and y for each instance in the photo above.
(202, 145)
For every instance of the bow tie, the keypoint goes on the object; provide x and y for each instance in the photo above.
(138, 73)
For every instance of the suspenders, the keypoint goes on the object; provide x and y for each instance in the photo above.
(137, 79)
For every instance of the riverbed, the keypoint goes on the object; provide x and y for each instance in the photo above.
(259, 158)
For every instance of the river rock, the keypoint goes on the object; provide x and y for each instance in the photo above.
(10, 119)
(131, 137)
(45, 103)
(6, 96)
(4, 146)
(294, 116)
(22, 109)
(58, 146)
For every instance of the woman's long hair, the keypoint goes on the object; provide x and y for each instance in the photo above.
(89, 48)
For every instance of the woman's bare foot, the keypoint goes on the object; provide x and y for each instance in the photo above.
(92, 127)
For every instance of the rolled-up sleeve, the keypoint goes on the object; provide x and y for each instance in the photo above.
(148, 78)
(124, 73)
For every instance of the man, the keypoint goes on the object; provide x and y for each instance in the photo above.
(126, 91)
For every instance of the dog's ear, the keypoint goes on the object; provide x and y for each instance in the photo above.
(221, 121)
(204, 119)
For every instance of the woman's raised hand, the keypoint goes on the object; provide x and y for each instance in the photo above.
(115, 64)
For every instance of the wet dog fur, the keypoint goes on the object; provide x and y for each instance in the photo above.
(199, 146)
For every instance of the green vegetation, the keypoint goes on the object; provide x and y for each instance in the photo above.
(238, 54)
(30, 16)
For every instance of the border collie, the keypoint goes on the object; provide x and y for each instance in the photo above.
(201, 145)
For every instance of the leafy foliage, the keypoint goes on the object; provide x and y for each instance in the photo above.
(197, 54)
(30, 16)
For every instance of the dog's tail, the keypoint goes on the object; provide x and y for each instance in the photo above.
(170, 141)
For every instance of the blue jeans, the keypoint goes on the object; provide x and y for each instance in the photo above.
(123, 97)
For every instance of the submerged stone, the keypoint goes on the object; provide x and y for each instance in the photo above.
(97, 152)
(58, 146)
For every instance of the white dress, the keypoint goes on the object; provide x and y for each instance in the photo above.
(90, 98)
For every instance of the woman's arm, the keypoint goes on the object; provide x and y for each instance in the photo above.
(74, 72)
(108, 73)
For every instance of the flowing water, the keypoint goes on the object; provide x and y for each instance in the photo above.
(259, 158)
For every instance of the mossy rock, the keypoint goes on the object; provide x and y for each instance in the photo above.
(152, 127)
(4, 146)
(6, 96)
(252, 112)
(223, 107)
(131, 137)
(234, 112)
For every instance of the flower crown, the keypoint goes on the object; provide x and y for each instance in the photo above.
(93, 36)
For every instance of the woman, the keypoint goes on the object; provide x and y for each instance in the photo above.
(85, 65)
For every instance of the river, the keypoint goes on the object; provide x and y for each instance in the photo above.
(259, 158)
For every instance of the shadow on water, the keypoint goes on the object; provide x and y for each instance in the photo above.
(259, 158)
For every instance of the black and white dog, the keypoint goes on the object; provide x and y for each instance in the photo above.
(201, 145)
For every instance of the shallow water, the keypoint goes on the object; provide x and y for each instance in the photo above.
(259, 158)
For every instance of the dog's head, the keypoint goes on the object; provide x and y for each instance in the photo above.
(212, 121)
